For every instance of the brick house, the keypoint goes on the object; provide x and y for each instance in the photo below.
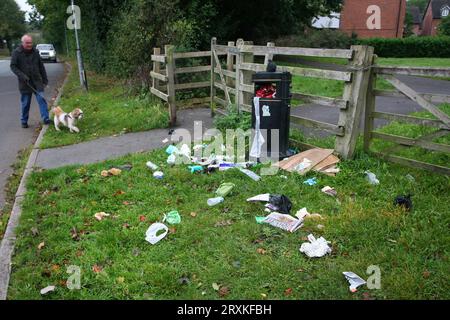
(434, 13)
(374, 18)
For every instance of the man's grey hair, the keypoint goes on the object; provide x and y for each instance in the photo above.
(26, 36)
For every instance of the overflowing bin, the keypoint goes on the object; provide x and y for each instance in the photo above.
(273, 90)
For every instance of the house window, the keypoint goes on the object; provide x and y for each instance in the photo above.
(445, 11)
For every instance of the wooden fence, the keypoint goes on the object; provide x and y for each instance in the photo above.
(235, 81)
(426, 101)
(231, 67)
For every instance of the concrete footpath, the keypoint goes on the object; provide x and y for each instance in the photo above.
(113, 147)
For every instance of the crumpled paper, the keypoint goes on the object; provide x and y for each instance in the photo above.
(315, 248)
(354, 280)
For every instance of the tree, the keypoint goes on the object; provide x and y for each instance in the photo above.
(35, 20)
(12, 22)
(421, 4)
(444, 27)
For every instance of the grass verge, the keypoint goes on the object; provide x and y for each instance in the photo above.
(108, 110)
(224, 245)
(11, 187)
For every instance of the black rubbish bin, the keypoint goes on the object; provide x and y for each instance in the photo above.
(274, 110)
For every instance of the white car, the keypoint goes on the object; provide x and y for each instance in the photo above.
(47, 52)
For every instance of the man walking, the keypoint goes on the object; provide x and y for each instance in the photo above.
(27, 65)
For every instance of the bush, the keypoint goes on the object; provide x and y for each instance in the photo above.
(326, 38)
(444, 27)
(412, 47)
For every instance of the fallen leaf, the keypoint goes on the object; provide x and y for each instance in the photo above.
(142, 218)
(79, 253)
(126, 203)
(115, 171)
(55, 267)
(224, 291)
(261, 251)
(100, 215)
(48, 289)
(426, 274)
(126, 226)
(41, 245)
(118, 193)
(215, 286)
(288, 292)
(193, 214)
(172, 230)
(120, 280)
(63, 283)
(34, 231)
(96, 268)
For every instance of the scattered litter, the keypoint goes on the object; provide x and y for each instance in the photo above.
(315, 159)
(225, 223)
(48, 289)
(320, 226)
(171, 149)
(173, 217)
(225, 189)
(311, 182)
(165, 141)
(171, 160)
(215, 286)
(315, 248)
(303, 214)
(193, 214)
(126, 167)
(302, 166)
(262, 197)
(41, 245)
(195, 169)
(283, 221)
(404, 201)
(260, 220)
(100, 215)
(281, 202)
(158, 175)
(354, 280)
(250, 174)
(105, 173)
(372, 178)
(215, 201)
(151, 166)
(329, 191)
(151, 234)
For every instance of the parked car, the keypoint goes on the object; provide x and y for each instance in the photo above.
(47, 52)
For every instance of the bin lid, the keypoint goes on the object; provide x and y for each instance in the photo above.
(271, 76)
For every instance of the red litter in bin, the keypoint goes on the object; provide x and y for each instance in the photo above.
(266, 91)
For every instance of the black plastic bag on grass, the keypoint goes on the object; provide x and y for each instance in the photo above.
(282, 202)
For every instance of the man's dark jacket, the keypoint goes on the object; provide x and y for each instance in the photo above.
(27, 65)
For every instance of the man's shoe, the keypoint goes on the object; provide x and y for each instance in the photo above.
(47, 121)
(24, 125)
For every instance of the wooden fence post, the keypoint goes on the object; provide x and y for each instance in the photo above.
(230, 64)
(245, 77)
(170, 72)
(213, 76)
(370, 107)
(156, 69)
(356, 93)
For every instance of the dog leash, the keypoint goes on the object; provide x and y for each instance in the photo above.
(36, 92)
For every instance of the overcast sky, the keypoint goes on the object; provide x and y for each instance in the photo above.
(24, 6)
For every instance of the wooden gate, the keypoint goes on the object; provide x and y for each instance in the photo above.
(427, 101)
(235, 81)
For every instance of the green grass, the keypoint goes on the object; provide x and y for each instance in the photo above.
(11, 187)
(108, 110)
(363, 226)
(415, 62)
(415, 131)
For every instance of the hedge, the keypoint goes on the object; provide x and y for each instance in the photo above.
(411, 47)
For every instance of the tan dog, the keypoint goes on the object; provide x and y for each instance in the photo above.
(67, 119)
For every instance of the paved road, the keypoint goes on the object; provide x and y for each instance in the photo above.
(12, 137)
